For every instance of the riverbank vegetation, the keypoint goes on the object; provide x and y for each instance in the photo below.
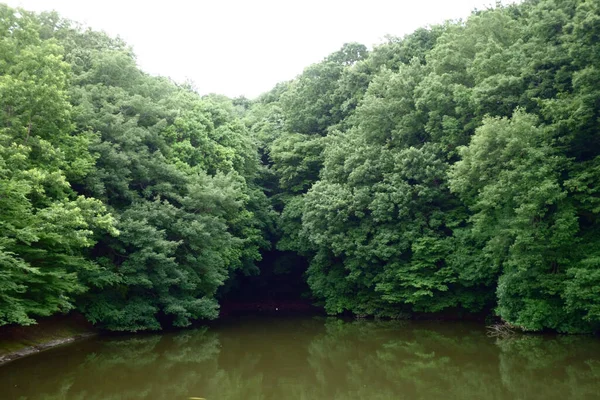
(454, 169)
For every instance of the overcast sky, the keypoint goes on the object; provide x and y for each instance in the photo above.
(237, 47)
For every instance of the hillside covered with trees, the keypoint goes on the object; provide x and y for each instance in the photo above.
(456, 169)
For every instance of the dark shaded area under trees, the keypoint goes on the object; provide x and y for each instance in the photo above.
(454, 170)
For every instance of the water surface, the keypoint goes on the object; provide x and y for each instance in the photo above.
(265, 358)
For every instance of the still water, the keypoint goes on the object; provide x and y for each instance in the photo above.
(312, 358)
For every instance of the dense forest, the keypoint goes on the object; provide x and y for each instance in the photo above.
(456, 169)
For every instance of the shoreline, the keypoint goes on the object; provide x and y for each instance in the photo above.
(21, 341)
(27, 351)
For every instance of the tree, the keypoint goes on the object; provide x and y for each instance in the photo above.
(45, 226)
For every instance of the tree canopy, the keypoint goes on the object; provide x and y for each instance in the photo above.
(453, 170)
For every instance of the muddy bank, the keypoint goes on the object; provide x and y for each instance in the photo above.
(21, 341)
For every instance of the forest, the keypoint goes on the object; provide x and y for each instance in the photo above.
(452, 170)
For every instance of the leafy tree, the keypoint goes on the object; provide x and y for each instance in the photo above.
(510, 177)
(454, 170)
(44, 224)
(311, 104)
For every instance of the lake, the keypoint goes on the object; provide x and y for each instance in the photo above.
(268, 358)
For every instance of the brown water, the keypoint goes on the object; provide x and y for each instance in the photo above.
(312, 358)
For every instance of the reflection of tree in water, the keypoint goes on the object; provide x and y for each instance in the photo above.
(384, 360)
(380, 360)
(313, 359)
(562, 367)
(144, 367)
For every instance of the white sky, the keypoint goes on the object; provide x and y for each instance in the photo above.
(237, 47)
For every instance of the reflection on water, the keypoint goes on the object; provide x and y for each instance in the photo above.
(312, 358)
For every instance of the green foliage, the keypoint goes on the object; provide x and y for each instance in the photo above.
(509, 176)
(454, 170)
(85, 132)
(178, 171)
(311, 104)
(44, 224)
(502, 109)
